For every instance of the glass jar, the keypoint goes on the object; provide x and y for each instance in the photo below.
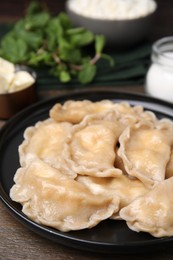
(159, 78)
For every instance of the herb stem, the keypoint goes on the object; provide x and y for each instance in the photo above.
(92, 62)
(76, 67)
(95, 58)
(56, 58)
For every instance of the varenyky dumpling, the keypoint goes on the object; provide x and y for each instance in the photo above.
(152, 212)
(74, 111)
(169, 167)
(125, 188)
(45, 141)
(145, 151)
(53, 199)
(91, 148)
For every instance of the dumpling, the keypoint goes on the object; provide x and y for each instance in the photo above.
(45, 141)
(53, 199)
(145, 151)
(169, 167)
(91, 147)
(125, 188)
(152, 212)
(119, 163)
(74, 111)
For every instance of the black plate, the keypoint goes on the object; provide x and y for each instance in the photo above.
(109, 236)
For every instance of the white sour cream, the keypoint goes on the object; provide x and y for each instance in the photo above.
(159, 82)
(159, 78)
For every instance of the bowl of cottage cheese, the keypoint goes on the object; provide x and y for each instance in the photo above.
(123, 22)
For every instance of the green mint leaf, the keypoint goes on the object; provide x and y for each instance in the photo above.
(42, 57)
(65, 21)
(19, 26)
(87, 74)
(81, 39)
(70, 55)
(34, 40)
(14, 50)
(108, 58)
(37, 21)
(54, 32)
(64, 76)
(99, 43)
(75, 30)
(33, 8)
(21, 50)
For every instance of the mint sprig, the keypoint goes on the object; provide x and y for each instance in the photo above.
(42, 39)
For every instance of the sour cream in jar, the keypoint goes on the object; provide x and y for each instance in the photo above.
(159, 78)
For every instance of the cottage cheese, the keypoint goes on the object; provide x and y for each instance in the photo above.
(113, 9)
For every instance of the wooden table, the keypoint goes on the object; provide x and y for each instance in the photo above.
(17, 242)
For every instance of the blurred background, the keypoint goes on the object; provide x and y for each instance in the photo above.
(131, 65)
(12, 10)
